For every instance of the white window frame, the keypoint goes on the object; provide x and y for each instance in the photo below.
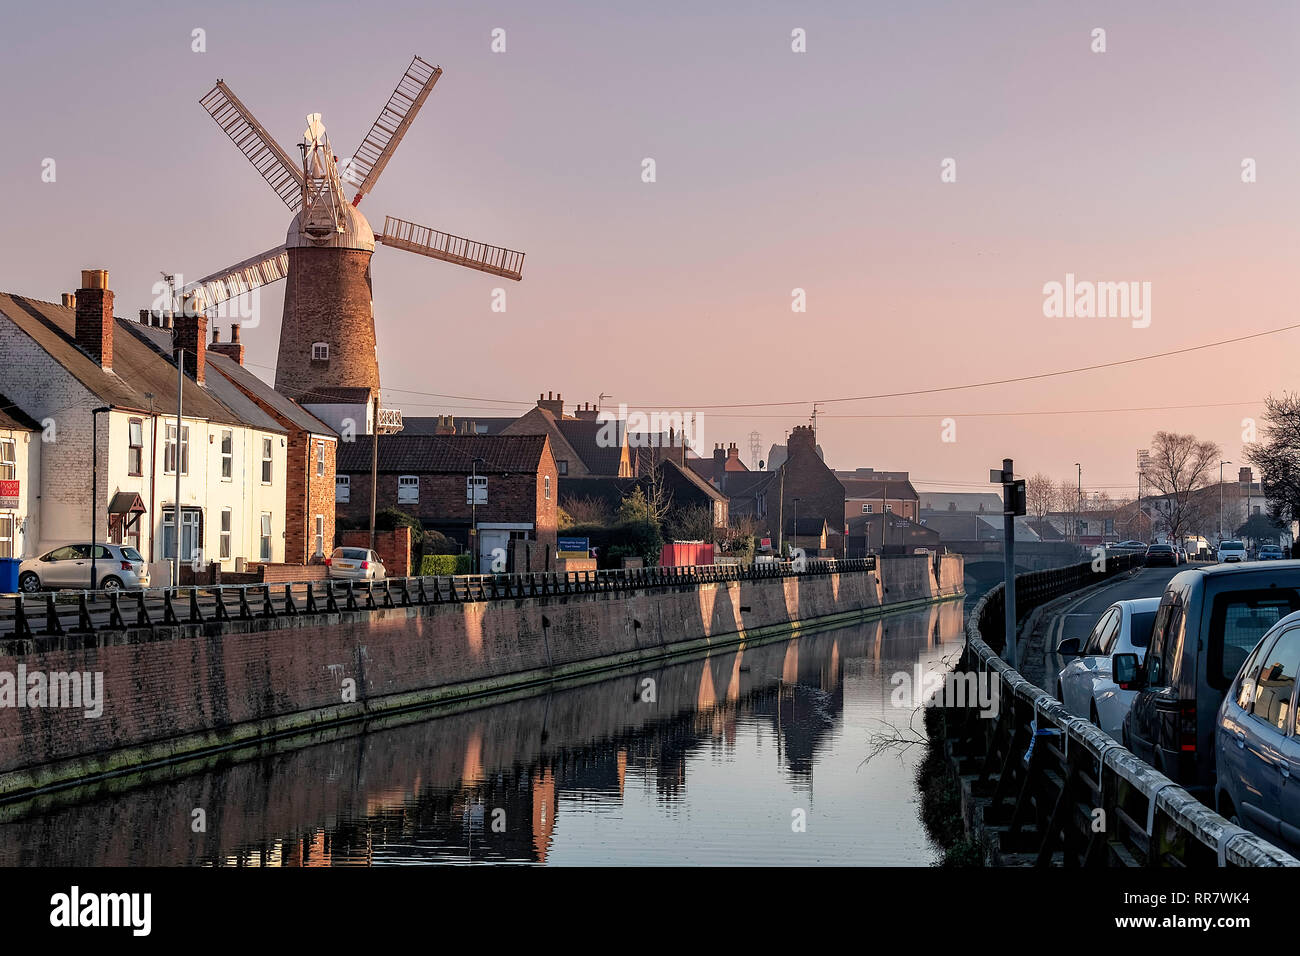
(264, 538)
(889, 508)
(343, 482)
(868, 509)
(268, 459)
(320, 459)
(320, 351)
(404, 485)
(546, 486)
(169, 449)
(320, 535)
(132, 448)
(227, 522)
(8, 458)
(227, 454)
(7, 532)
(476, 489)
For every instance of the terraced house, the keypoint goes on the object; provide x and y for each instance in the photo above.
(89, 373)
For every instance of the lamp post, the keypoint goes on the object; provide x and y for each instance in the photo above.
(473, 514)
(176, 508)
(794, 530)
(94, 491)
(1221, 464)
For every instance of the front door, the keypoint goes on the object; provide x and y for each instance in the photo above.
(493, 553)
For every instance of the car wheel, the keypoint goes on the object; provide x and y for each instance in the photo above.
(28, 582)
(110, 584)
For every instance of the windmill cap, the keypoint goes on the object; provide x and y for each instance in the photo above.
(356, 233)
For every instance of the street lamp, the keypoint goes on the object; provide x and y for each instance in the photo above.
(473, 514)
(1221, 464)
(1078, 503)
(794, 531)
(94, 490)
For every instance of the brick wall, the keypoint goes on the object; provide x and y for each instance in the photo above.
(327, 298)
(307, 496)
(820, 493)
(393, 548)
(180, 690)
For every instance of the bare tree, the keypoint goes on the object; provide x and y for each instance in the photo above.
(588, 511)
(1179, 466)
(1278, 456)
(1067, 503)
(1040, 495)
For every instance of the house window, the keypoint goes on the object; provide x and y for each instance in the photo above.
(191, 526)
(8, 459)
(225, 534)
(320, 534)
(408, 490)
(266, 461)
(562, 466)
(6, 536)
(546, 484)
(320, 351)
(889, 508)
(135, 446)
(169, 450)
(476, 490)
(342, 489)
(866, 509)
(265, 550)
(320, 459)
(227, 454)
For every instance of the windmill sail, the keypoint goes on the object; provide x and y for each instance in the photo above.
(394, 120)
(210, 291)
(496, 260)
(255, 143)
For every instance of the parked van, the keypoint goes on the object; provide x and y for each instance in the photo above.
(1258, 750)
(1209, 620)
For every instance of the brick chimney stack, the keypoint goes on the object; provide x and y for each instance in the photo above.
(446, 425)
(553, 405)
(586, 412)
(1245, 476)
(802, 437)
(733, 454)
(94, 328)
(233, 350)
(719, 462)
(191, 334)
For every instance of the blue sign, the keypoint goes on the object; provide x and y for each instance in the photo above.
(575, 544)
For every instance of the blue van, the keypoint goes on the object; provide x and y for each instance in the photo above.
(1209, 620)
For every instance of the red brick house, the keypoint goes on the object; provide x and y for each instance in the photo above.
(803, 475)
(505, 486)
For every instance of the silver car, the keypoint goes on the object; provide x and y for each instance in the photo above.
(355, 564)
(116, 566)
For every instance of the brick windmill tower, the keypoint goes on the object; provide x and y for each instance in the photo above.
(327, 337)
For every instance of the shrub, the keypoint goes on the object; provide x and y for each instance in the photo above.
(444, 564)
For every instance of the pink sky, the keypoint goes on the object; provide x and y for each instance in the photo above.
(776, 170)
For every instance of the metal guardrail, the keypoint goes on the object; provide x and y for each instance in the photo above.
(92, 611)
(1060, 789)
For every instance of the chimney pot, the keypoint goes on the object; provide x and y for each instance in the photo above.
(216, 335)
(69, 300)
(234, 332)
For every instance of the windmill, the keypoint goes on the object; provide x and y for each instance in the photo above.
(327, 337)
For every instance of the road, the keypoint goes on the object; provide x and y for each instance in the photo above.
(1076, 618)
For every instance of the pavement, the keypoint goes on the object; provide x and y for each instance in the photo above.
(1075, 614)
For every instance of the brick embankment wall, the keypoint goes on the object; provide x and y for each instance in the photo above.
(182, 691)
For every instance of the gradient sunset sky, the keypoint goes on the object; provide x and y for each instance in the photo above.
(775, 171)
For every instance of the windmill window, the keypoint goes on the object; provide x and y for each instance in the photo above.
(320, 351)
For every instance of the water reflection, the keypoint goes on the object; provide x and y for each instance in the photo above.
(715, 760)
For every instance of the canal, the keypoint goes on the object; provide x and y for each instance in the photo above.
(797, 752)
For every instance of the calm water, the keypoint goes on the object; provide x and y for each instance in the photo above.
(720, 767)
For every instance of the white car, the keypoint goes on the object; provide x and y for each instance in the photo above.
(1231, 551)
(1084, 685)
(355, 564)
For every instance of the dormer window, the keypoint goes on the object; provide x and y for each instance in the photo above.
(320, 351)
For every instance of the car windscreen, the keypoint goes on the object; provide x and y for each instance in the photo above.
(1141, 625)
(1232, 546)
(1238, 619)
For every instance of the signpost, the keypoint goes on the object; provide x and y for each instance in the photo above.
(573, 547)
(1014, 502)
